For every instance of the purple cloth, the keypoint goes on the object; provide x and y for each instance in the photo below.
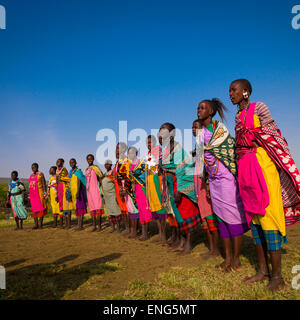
(80, 202)
(232, 230)
(133, 216)
(158, 216)
(226, 200)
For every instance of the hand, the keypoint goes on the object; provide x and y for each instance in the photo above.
(177, 197)
(207, 192)
(56, 199)
(122, 193)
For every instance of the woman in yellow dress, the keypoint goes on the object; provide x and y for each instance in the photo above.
(52, 194)
(269, 189)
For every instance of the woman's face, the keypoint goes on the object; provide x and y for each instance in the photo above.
(236, 93)
(164, 134)
(90, 160)
(14, 176)
(132, 154)
(196, 126)
(108, 166)
(204, 110)
(51, 171)
(73, 163)
(34, 168)
(59, 163)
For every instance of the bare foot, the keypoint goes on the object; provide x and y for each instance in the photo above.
(210, 254)
(276, 283)
(180, 249)
(225, 264)
(236, 265)
(126, 232)
(260, 276)
(185, 251)
(143, 238)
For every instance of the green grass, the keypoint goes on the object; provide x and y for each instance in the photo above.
(204, 282)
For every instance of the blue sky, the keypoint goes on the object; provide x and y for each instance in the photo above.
(71, 68)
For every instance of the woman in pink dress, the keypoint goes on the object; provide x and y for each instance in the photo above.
(93, 176)
(37, 195)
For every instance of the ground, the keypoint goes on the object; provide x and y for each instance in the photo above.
(65, 264)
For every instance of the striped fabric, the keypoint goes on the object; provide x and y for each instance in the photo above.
(271, 238)
(191, 224)
(97, 213)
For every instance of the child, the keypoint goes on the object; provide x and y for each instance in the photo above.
(197, 125)
(52, 193)
(16, 198)
(93, 189)
(109, 193)
(78, 192)
(37, 195)
(154, 187)
(216, 156)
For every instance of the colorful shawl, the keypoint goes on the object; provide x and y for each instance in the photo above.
(221, 145)
(125, 179)
(79, 174)
(179, 163)
(269, 137)
(13, 183)
(138, 175)
(96, 169)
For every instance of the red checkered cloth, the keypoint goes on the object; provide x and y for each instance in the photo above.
(97, 213)
(191, 224)
(80, 212)
(210, 224)
(39, 214)
(114, 219)
(172, 221)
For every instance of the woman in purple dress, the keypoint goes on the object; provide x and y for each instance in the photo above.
(215, 149)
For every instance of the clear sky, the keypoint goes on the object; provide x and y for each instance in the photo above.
(69, 68)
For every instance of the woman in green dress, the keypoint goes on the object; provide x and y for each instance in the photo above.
(16, 197)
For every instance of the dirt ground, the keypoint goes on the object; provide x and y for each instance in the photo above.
(31, 252)
(65, 264)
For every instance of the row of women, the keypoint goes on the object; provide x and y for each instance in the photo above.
(227, 186)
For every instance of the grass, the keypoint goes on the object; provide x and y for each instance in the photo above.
(204, 282)
(199, 281)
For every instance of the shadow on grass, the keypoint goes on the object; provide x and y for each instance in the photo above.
(87, 222)
(52, 281)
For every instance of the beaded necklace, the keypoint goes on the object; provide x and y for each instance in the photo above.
(216, 161)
